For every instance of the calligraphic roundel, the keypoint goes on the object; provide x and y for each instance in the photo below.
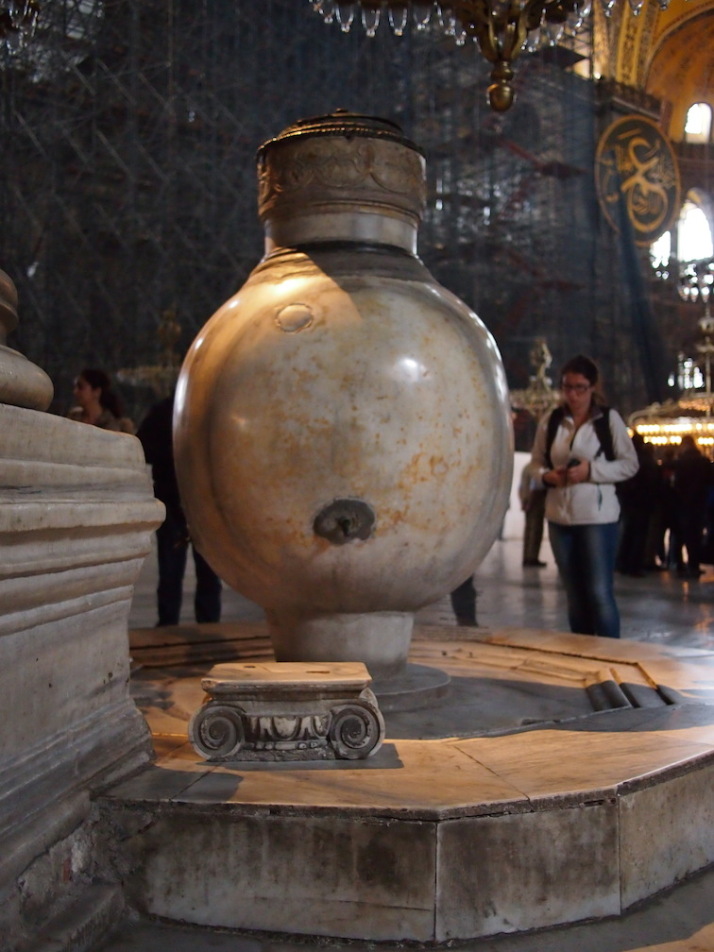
(637, 178)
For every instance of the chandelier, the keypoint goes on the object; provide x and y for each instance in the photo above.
(696, 280)
(18, 21)
(502, 28)
(666, 423)
(539, 397)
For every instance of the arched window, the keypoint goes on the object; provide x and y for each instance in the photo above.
(694, 236)
(694, 233)
(698, 125)
(695, 247)
(660, 254)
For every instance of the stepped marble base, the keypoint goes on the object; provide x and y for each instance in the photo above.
(285, 711)
(508, 805)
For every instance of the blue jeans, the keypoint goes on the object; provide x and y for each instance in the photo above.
(585, 556)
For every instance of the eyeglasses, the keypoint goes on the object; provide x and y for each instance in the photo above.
(575, 387)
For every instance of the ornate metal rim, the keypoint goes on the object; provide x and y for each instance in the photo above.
(341, 123)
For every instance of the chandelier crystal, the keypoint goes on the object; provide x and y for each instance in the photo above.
(696, 280)
(502, 28)
(18, 21)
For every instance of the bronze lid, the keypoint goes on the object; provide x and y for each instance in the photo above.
(320, 173)
(342, 123)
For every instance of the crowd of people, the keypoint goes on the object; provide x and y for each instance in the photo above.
(668, 512)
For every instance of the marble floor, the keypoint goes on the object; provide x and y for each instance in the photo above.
(659, 607)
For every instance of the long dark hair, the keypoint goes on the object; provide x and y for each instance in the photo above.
(108, 399)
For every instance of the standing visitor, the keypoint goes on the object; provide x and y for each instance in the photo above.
(532, 497)
(639, 498)
(172, 536)
(669, 548)
(582, 448)
(693, 477)
(97, 403)
(463, 603)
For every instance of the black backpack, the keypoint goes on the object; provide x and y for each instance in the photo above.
(601, 426)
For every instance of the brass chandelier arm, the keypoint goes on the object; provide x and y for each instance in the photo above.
(501, 31)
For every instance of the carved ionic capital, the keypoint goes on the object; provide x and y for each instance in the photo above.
(287, 711)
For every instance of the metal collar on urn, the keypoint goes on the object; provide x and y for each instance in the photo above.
(343, 176)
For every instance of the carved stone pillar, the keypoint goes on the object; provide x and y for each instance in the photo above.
(76, 513)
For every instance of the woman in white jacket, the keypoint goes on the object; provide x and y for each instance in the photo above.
(581, 506)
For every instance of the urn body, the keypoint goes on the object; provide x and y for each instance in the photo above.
(342, 429)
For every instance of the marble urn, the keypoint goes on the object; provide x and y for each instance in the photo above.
(342, 427)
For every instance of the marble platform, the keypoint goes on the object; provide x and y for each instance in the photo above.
(508, 805)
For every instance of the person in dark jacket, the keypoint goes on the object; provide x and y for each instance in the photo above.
(172, 537)
(639, 497)
(693, 477)
(463, 603)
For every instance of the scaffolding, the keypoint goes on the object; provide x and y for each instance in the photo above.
(127, 176)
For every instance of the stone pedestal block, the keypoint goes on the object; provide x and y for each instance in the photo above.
(76, 514)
